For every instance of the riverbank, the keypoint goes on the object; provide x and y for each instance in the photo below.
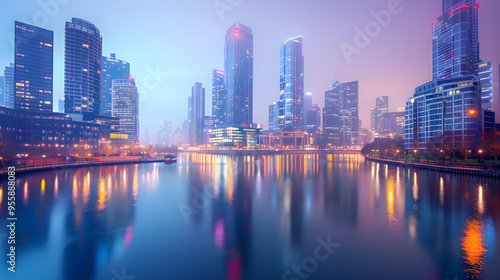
(48, 168)
(446, 169)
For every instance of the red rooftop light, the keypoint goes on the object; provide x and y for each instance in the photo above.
(436, 22)
(236, 32)
(459, 8)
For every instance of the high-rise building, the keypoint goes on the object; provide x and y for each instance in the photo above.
(485, 75)
(9, 86)
(219, 99)
(373, 119)
(382, 107)
(34, 65)
(82, 68)
(61, 105)
(313, 118)
(340, 115)
(197, 124)
(112, 69)
(448, 110)
(166, 133)
(455, 44)
(238, 75)
(126, 107)
(292, 84)
(274, 111)
(2, 90)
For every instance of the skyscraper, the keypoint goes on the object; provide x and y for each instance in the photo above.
(33, 68)
(313, 118)
(455, 45)
(382, 107)
(2, 90)
(112, 69)
(197, 124)
(485, 76)
(274, 111)
(126, 107)
(238, 75)
(292, 83)
(340, 115)
(218, 97)
(82, 68)
(166, 133)
(9, 86)
(447, 111)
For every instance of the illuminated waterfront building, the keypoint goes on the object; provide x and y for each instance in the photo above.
(112, 69)
(126, 107)
(82, 68)
(219, 97)
(238, 75)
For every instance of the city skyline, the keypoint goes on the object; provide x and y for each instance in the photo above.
(418, 18)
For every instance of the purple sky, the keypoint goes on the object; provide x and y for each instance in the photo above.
(185, 38)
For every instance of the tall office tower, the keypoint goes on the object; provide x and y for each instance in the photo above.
(126, 107)
(218, 97)
(340, 115)
(197, 124)
(485, 75)
(112, 69)
(238, 75)
(382, 107)
(292, 83)
(9, 86)
(274, 111)
(82, 68)
(166, 133)
(455, 45)
(61, 105)
(373, 119)
(313, 118)
(2, 91)
(307, 107)
(33, 68)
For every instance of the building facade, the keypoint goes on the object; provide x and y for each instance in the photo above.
(197, 124)
(126, 107)
(340, 115)
(238, 75)
(2, 90)
(33, 72)
(292, 84)
(82, 68)
(274, 113)
(9, 86)
(112, 69)
(455, 42)
(484, 73)
(219, 97)
(382, 107)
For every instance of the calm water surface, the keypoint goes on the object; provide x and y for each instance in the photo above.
(219, 217)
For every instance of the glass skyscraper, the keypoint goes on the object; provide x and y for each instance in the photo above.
(485, 76)
(238, 75)
(340, 115)
(9, 86)
(82, 68)
(112, 69)
(448, 111)
(197, 124)
(292, 83)
(33, 71)
(2, 91)
(126, 107)
(274, 111)
(218, 97)
(455, 44)
(382, 107)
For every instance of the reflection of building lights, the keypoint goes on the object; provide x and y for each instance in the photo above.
(474, 249)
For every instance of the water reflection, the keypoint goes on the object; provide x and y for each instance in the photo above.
(254, 217)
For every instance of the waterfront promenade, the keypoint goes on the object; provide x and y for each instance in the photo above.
(28, 169)
(457, 169)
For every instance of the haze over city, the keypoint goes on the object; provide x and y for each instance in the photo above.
(186, 40)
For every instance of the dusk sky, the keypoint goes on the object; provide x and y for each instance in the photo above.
(186, 40)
